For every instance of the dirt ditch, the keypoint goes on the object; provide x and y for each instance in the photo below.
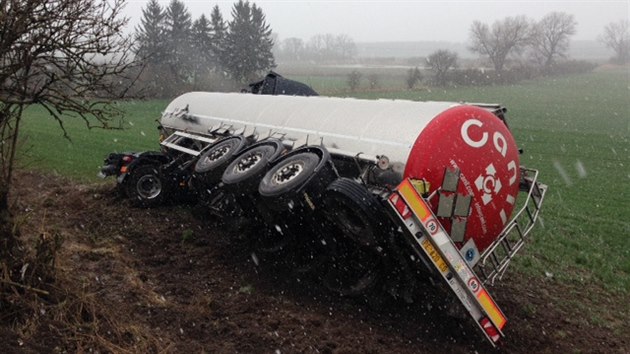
(161, 280)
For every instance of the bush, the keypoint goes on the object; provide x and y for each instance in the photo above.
(517, 74)
(354, 79)
(571, 67)
(477, 77)
(374, 80)
(413, 77)
(471, 77)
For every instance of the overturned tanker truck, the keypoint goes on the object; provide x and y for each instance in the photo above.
(369, 194)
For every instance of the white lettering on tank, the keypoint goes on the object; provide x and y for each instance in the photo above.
(512, 167)
(499, 143)
(466, 137)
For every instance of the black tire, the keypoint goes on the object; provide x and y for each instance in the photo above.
(249, 164)
(288, 174)
(354, 211)
(354, 217)
(146, 186)
(219, 154)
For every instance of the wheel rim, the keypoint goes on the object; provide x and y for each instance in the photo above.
(218, 153)
(288, 172)
(149, 186)
(248, 162)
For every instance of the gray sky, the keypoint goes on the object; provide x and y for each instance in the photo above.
(416, 20)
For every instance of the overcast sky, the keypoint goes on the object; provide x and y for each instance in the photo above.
(413, 20)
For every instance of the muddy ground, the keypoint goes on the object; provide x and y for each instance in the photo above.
(164, 281)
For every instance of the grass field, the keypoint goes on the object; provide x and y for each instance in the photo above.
(43, 146)
(576, 130)
(333, 80)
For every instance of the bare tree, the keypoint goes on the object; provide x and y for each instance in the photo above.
(345, 47)
(506, 37)
(440, 63)
(550, 37)
(617, 37)
(316, 47)
(328, 47)
(293, 49)
(65, 56)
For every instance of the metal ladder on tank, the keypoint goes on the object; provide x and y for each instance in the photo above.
(496, 258)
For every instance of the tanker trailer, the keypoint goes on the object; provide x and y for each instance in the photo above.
(430, 187)
(444, 177)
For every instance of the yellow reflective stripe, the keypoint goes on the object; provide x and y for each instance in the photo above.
(491, 309)
(413, 200)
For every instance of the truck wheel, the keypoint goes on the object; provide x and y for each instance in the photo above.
(354, 211)
(219, 154)
(288, 174)
(146, 186)
(249, 164)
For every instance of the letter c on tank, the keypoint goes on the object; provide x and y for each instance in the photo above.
(467, 139)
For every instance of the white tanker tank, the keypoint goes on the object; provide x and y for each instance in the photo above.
(420, 139)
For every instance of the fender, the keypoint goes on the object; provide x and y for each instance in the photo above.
(143, 158)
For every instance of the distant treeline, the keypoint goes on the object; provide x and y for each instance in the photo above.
(181, 54)
(320, 49)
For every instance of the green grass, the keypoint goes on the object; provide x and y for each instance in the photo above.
(336, 85)
(561, 123)
(44, 148)
(333, 80)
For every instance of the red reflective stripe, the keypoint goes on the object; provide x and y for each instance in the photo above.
(490, 330)
(400, 205)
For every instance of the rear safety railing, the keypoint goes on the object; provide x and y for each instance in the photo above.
(495, 259)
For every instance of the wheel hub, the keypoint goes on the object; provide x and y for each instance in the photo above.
(149, 186)
(248, 162)
(288, 173)
(218, 153)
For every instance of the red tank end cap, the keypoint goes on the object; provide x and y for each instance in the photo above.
(480, 145)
